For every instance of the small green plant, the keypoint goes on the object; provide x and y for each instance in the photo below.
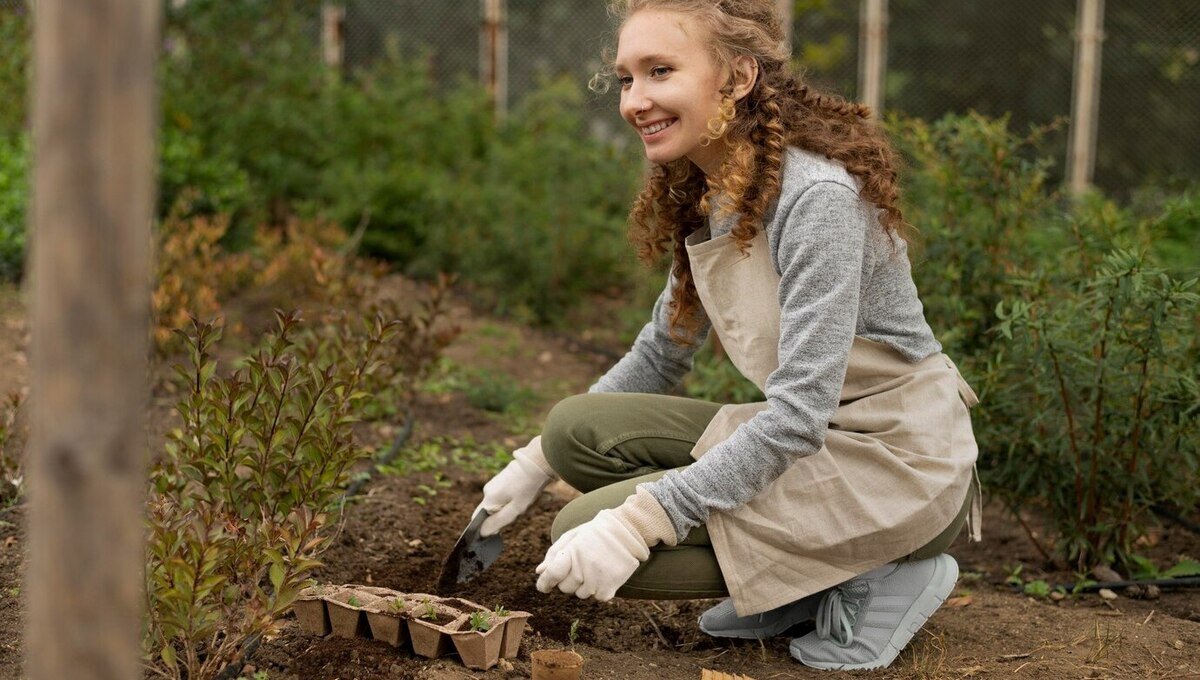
(428, 611)
(1145, 568)
(353, 601)
(497, 392)
(573, 632)
(500, 611)
(244, 497)
(480, 621)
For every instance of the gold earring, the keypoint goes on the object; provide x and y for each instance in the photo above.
(726, 111)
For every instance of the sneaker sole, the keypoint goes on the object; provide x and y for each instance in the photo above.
(793, 618)
(945, 576)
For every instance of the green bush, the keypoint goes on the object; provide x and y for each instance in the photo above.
(14, 200)
(243, 500)
(977, 193)
(1093, 402)
(15, 41)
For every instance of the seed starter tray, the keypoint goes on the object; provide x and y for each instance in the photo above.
(430, 626)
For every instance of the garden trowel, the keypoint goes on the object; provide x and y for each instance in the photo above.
(470, 555)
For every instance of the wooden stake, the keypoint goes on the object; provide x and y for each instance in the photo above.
(493, 53)
(787, 14)
(94, 118)
(872, 53)
(333, 38)
(1085, 99)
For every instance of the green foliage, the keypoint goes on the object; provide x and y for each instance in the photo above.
(1094, 398)
(211, 183)
(715, 378)
(14, 201)
(984, 212)
(1145, 568)
(497, 392)
(240, 503)
(480, 621)
(15, 42)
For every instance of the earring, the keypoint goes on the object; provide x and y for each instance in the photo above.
(726, 111)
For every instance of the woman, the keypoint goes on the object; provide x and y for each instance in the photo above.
(835, 498)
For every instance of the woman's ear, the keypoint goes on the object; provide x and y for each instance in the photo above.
(745, 75)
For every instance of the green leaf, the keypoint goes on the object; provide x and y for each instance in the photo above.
(1183, 569)
(277, 576)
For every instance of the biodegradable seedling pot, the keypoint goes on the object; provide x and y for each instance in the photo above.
(479, 649)
(514, 628)
(311, 613)
(556, 664)
(387, 620)
(346, 614)
(430, 628)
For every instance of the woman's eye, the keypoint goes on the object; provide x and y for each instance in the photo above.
(660, 70)
(625, 81)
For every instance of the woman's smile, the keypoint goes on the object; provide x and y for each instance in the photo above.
(654, 131)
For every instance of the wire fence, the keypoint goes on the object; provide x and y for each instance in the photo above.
(943, 56)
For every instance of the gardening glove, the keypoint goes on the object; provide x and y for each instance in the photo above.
(515, 488)
(597, 558)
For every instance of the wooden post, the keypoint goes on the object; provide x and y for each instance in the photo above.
(872, 53)
(493, 53)
(333, 41)
(787, 15)
(94, 117)
(1085, 97)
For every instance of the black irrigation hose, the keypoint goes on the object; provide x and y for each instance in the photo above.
(386, 458)
(1166, 513)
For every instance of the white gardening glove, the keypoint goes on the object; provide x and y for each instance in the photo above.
(510, 493)
(596, 558)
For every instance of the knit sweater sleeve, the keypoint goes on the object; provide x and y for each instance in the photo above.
(819, 256)
(655, 364)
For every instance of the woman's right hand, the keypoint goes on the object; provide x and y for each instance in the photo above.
(515, 488)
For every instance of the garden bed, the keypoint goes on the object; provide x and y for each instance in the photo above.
(390, 541)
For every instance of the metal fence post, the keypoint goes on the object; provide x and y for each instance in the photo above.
(787, 15)
(1085, 98)
(333, 36)
(872, 53)
(94, 117)
(493, 54)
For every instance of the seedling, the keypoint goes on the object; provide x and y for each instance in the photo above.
(573, 633)
(479, 622)
(428, 611)
(353, 601)
(396, 605)
(500, 611)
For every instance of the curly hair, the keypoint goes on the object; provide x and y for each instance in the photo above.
(780, 110)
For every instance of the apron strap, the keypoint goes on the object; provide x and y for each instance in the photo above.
(975, 513)
(964, 389)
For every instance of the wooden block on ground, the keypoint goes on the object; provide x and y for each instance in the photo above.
(706, 674)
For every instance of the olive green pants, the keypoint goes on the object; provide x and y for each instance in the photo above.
(606, 444)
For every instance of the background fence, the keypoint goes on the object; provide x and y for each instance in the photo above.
(942, 56)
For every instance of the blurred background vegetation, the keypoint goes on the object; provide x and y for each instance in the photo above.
(1081, 306)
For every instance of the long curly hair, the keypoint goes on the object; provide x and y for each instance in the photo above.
(779, 111)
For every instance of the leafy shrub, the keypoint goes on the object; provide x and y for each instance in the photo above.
(194, 272)
(1094, 402)
(241, 500)
(715, 378)
(977, 193)
(210, 184)
(14, 200)
(15, 42)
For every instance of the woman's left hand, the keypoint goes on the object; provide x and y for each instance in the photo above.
(593, 559)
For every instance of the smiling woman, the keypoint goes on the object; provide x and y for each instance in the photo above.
(834, 499)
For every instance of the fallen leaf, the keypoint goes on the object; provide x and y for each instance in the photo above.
(960, 601)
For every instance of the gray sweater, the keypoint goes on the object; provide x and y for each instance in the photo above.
(839, 277)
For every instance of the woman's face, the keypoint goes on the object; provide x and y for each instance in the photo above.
(670, 87)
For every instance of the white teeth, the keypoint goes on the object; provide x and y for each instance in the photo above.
(651, 129)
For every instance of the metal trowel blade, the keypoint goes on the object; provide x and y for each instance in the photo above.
(470, 555)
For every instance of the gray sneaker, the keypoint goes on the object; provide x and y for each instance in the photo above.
(723, 621)
(865, 622)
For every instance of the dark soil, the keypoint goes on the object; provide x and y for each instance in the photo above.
(387, 539)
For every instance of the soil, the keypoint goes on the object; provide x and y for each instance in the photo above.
(990, 630)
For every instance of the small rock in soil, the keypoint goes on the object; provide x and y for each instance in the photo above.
(1152, 592)
(1056, 596)
(1106, 574)
(1107, 594)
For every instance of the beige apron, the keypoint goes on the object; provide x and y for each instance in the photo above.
(894, 471)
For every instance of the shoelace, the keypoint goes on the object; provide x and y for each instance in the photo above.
(838, 611)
